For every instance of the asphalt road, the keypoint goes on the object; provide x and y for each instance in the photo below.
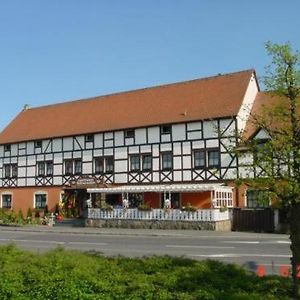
(247, 249)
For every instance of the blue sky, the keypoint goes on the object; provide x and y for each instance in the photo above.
(59, 50)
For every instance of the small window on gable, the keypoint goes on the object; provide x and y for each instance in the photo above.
(89, 138)
(38, 144)
(166, 129)
(129, 133)
(7, 147)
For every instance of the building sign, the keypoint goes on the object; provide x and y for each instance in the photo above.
(84, 182)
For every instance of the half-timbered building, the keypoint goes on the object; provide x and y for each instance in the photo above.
(172, 142)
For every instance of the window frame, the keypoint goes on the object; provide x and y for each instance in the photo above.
(101, 160)
(89, 138)
(214, 165)
(77, 166)
(129, 134)
(135, 163)
(38, 144)
(145, 155)
(69, 170)
(202, 152)
(40, 193)
(11, 200)
(163, 162)
(106, 160)
(166, 129)
(49, 163)
(7, 147)
(41, 168)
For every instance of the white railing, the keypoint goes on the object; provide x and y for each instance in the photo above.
(159, 214)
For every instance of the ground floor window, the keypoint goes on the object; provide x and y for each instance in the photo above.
(257, 199)
(6, 200)
(135, 199)
(40, 200)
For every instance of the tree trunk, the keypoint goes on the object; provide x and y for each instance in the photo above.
(295, 246)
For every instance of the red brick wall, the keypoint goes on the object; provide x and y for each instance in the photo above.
(23, 198)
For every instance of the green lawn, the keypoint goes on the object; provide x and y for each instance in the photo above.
(61, 274)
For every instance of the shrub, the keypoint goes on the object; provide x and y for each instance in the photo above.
(144, 207)
(189, 208)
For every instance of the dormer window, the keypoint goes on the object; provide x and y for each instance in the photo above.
(89, 138)
(38, 144)
(166, 129)
(7, 147)
(129, 133)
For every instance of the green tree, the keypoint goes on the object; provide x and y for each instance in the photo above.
(277, 159)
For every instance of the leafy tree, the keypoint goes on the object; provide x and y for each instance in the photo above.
(277, 159)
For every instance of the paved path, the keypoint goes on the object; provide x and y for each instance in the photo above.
(248, 249)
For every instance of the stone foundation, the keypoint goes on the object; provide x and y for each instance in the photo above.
(160, 224)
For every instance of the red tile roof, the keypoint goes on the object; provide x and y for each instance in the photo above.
(212, 97)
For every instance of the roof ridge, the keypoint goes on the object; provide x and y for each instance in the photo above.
(93, 98)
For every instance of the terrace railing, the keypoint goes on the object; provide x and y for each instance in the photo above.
(159, 214)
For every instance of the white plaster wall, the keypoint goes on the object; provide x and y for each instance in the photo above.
(87, 155)
(31, 160)
(21, 171)
(198, 145)
(166, 137)
(68, 155)
(119, 138)
(57, 158)
(186, 160)
(22, 161)
(67, 144)
(153, 134)
(178, 132)
(98, 140)
(194, 135)
(57, 145)
(108, 144)
(177, 163)
(87, 167)
(31, 171)
(79, 142)
(46, 146)
(57, 170)
(177, 148)
(129, 141)
(186, 148)
(166, 147)
(57, 180)
(30, 148)
(155, 164)
(155, 150)
(121, 153)
(194, 126)
(108, 152)
(230, 129)
(98, 152)
(177, 176)
(108, 135)
(30, 181)
(212, 143)
(140, 136)
(262, 134)
(1, 151)
(247, 103)
(120, 178)
(187, 175)
(121, 166)
(133, 150)
(210, 129)
(146, 149)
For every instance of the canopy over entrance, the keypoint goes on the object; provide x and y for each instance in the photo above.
(220, 195)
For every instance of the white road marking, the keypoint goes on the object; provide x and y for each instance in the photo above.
(240, 242)
(199, 247)
(53, 242)
(240, 255)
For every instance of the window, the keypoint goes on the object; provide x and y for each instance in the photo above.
(166, 129)
(49, 168)
(40, 201)
(38, 144)
(129, 133)
(7, 147)
(257, 198)
(109, 164)
(146, 162)
(213, 158)
(6, 200)
(11, 171)
(135, 162)
(14, 170)
(68, 167)
(167, 161)
(78, 166)
(199, 159)
(89, 138)
(7, 171)
(41, 168)
(98, 165)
